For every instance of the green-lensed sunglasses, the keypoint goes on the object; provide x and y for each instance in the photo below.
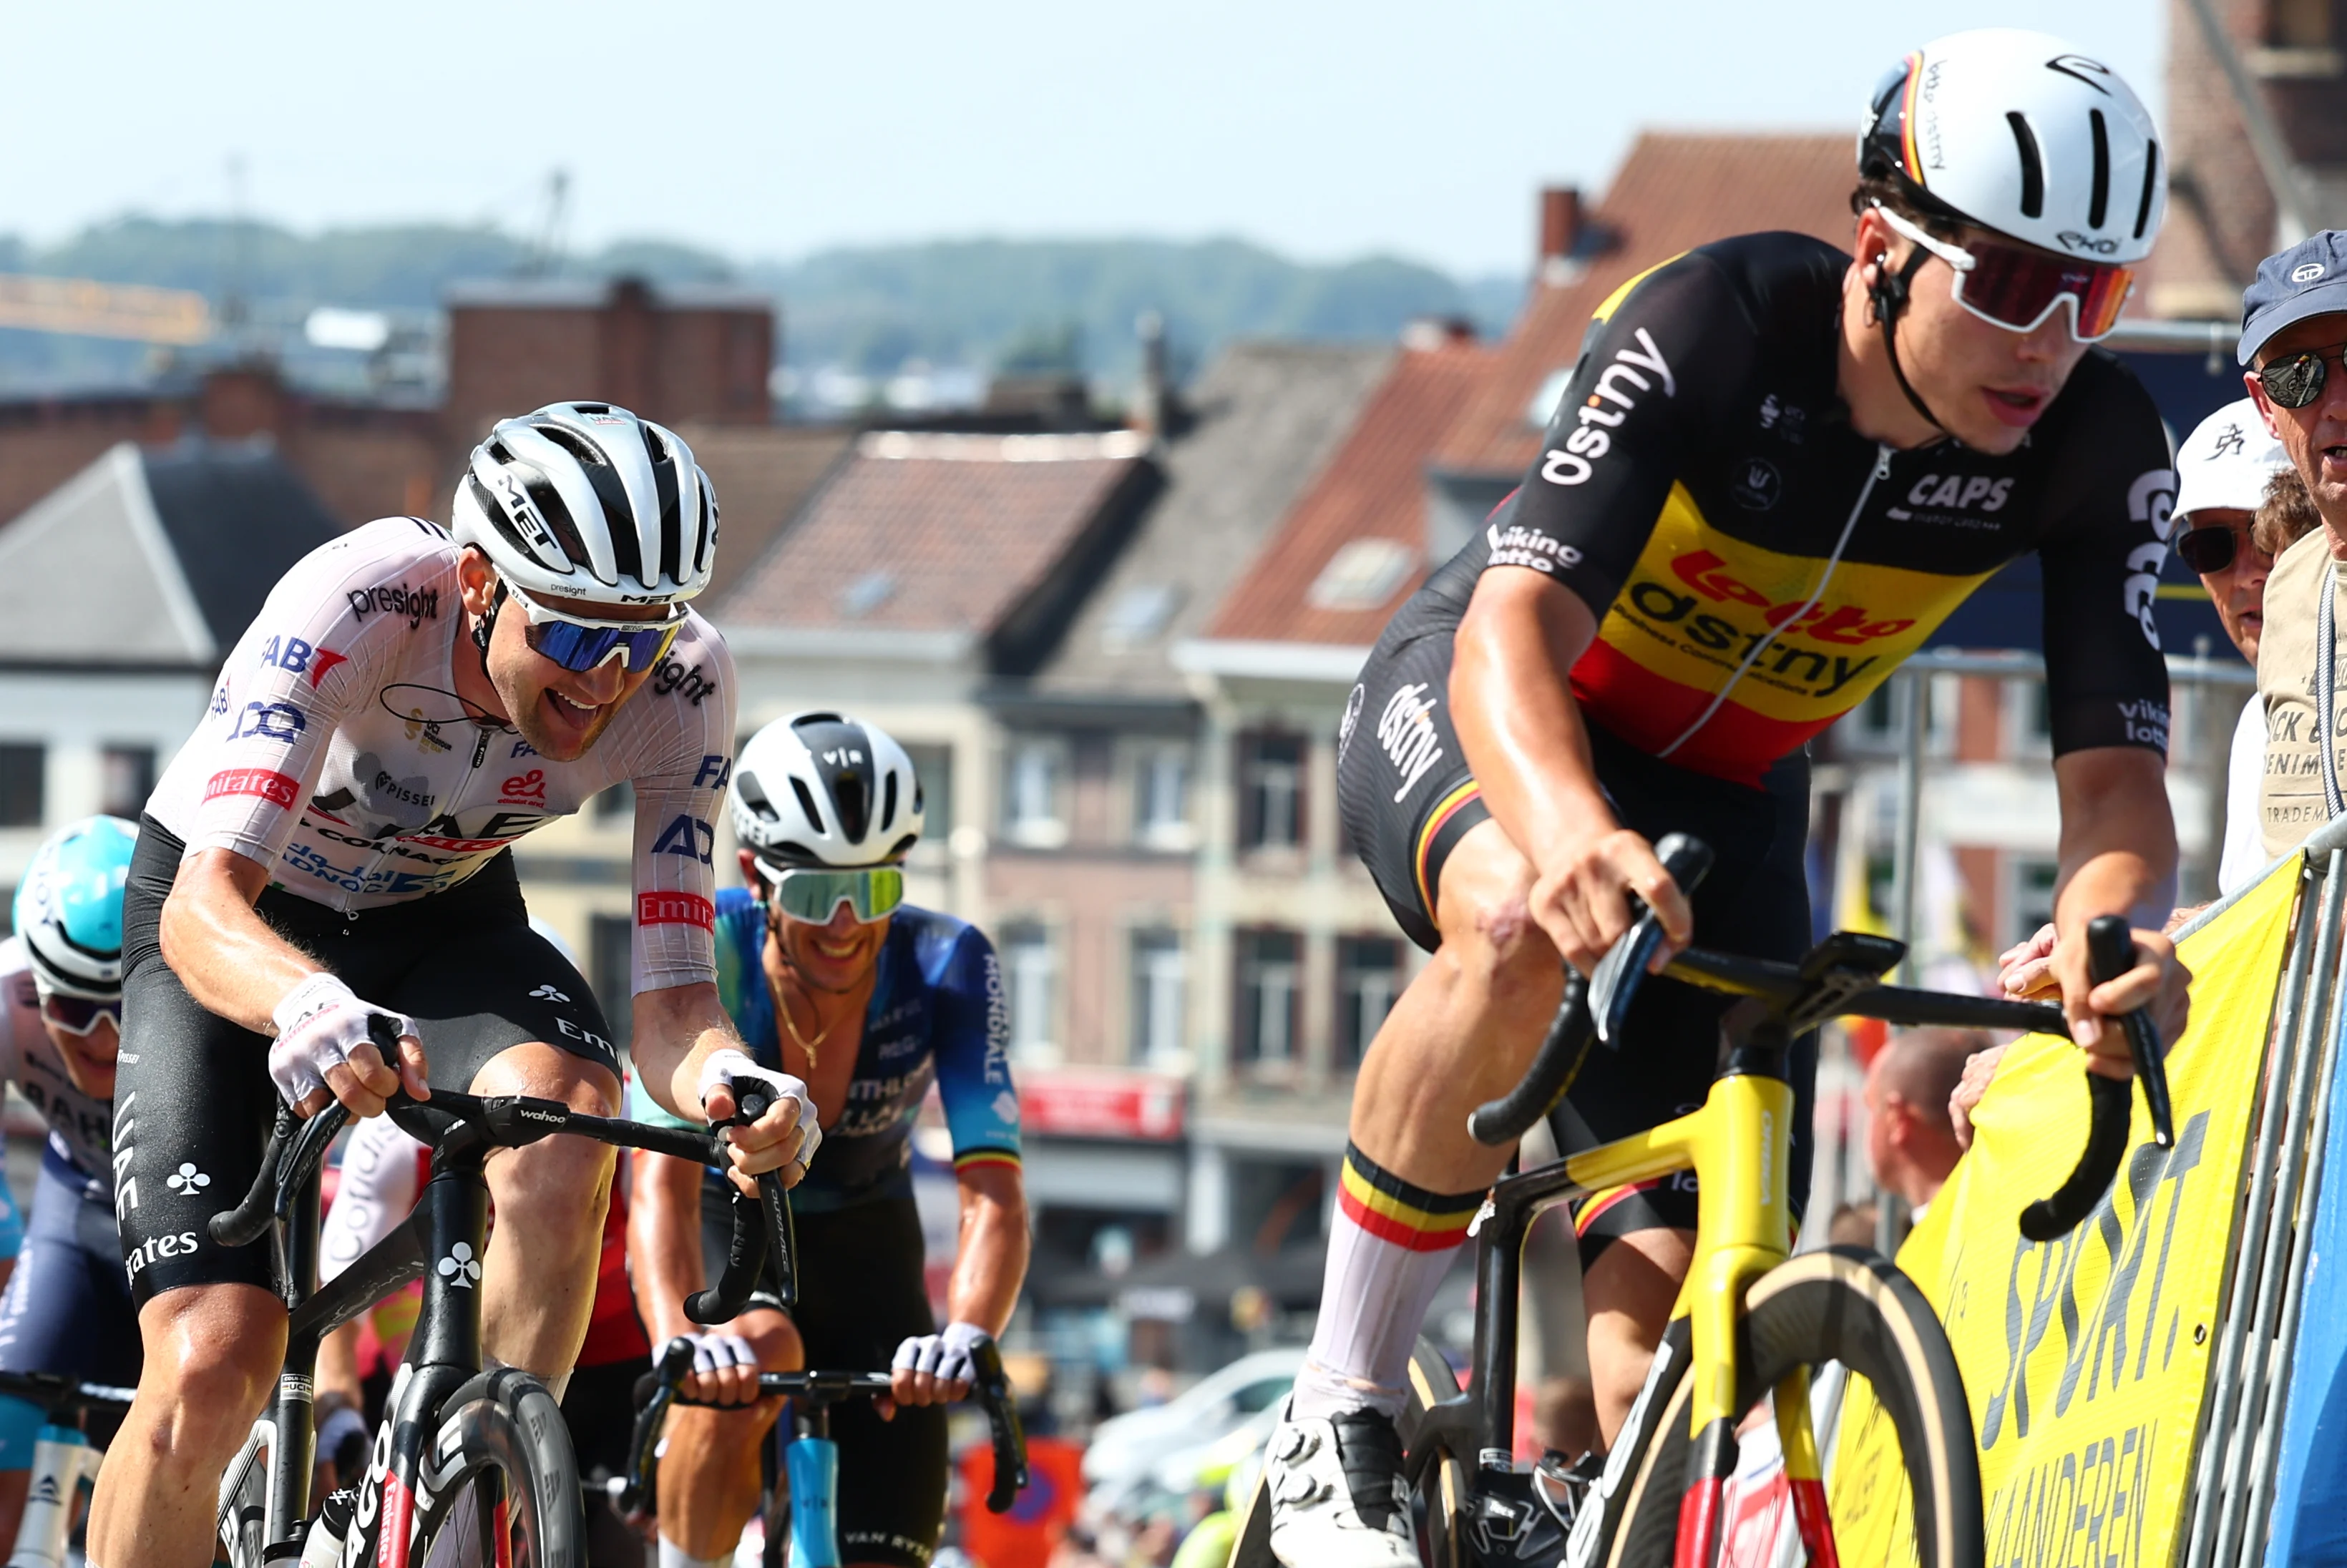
(812, 894)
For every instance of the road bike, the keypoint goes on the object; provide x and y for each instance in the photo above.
(1752, 1321)
(808, 1464)
(483, 1453)
(63, 1461)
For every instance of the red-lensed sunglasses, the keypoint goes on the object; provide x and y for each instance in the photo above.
(2015, 288)
(79, 1015)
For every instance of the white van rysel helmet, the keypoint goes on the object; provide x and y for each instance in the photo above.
(2020, 133)
(585, 501)
(820, 788)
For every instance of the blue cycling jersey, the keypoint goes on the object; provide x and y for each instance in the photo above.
(936, 1014)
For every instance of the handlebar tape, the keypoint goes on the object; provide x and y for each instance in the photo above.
(2110, 952)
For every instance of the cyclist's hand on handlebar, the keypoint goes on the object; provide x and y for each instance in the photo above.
(935, 1369)
(724, 1368)
(323, 1052)
(1583, 904)
(2159, 981)
(783, 1139)
(2026, 968)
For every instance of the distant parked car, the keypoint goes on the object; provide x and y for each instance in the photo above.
(1126, 1449)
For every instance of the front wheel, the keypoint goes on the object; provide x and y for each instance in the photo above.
(502, 1471)
(1845, 1305)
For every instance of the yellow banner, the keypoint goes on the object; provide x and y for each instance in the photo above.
(2086, 1359)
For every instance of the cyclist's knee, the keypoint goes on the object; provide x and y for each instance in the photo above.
(1484, 912)
(213, 1353)
(539, 1188)
(773, 1339)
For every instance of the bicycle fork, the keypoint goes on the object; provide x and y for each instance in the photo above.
(62, 1460)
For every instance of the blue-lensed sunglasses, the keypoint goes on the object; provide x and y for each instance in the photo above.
(581, 643)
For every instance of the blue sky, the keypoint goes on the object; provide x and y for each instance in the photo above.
(1324, 129)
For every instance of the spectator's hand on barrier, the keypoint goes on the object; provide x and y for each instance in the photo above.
(323, 1052)
(2026, 968)
(783, 1139)
(724, 1368)
(1583, 904)
(1979, 1068)
(2159, 981)
(935, 1369)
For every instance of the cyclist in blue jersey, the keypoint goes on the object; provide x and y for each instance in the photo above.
(830, 975)
(67, 1306)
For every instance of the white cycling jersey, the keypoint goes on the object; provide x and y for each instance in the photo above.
(80, 1125)
(338, 753)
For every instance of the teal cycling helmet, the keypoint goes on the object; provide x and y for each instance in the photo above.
(69, 908)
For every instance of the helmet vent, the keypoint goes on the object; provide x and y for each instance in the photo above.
(889, 803)
(2033, 167)
(2151, 187)
(806, 804)
(753, 795)
(2098, 207)
(559, 521)
(854, 798)
(571, 442)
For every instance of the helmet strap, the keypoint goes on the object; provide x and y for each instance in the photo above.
(486, 625)
(1886, 297)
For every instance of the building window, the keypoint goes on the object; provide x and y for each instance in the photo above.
(1030, 794)
(1271, 791)
(21, 768)
(611, 970)
(1369, 978)
(1161, 798)
(126, 777)
(2032, 903)
(933, 766)
(1030, 968)
(1158, 972)
(1270, 963)
(615, 804)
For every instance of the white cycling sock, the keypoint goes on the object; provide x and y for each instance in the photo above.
(672, 1555)
(1392, 1244)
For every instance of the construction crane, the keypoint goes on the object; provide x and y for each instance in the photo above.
(91, 309)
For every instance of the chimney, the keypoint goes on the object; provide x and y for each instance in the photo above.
(1155, 411)
(1560, 235)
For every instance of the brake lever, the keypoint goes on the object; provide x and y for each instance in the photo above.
(1613, 984)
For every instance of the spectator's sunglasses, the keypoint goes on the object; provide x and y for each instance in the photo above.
(2016, 288)
(581, 643)
(2296, 380)
(79, 1015)
(2209, 551)
(812, 894)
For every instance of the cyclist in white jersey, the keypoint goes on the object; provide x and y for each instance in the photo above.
(409, 703)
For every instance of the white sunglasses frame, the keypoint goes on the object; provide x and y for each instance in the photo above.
(1962, 261)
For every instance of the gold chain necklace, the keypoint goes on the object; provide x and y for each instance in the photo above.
(783, 1006)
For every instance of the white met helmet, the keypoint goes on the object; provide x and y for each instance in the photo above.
(820, 788)
(585, 501)
(2020, 133)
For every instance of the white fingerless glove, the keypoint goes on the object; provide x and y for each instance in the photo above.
(731, 1067)
(713, 1352)
(319, 1023)
(947, 1357)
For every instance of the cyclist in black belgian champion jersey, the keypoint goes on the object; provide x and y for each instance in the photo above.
(1775, 470)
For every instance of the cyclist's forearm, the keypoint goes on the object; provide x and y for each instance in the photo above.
(676, 1028)
(2118, 838)
(992, 1262)
(1511, 703)
(231, 963)
(664, 1259)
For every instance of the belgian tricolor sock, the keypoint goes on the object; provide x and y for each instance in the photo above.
(1392, 1245)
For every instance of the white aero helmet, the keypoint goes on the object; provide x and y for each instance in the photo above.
(585, 501)
(820, 788)
(2018, 132)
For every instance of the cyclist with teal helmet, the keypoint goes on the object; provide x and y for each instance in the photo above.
(67, 1306)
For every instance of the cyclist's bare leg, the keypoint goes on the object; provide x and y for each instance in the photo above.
(538, 1285)
(213, 1353)
(710, 1471)
(1628, 1294)
(13, 1485)
(1465, 1028)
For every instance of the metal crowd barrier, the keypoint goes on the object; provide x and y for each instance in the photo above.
(2265, 1298)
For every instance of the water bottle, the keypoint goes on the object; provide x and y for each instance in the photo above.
(322, 1547)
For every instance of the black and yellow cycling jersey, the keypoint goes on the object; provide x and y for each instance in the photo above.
(1758, 566)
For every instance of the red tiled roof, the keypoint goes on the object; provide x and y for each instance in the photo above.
(1676, 190)
(933, 532)
(1373, 487)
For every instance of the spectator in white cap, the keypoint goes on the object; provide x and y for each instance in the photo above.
(2221, 474)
